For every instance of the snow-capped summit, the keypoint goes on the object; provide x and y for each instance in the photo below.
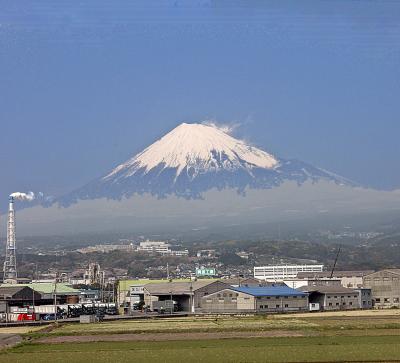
(195, 148)
(195, 158)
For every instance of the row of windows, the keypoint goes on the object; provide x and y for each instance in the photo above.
(226, 295)
(343, 304)
(276, 306)
(341, 296)
(221, 300)
(267, 297)
(396, 300)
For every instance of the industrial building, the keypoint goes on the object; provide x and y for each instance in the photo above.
(64, 293)
(385, 287)
(255, 300)
(337, 298)
(282, 272)
(130, 292)
(185, 295)
(17, 296)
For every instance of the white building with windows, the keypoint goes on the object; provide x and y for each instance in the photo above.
(283, 272)
(154, 246)
(161, 247)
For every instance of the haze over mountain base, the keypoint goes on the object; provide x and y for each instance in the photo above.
(288, 202)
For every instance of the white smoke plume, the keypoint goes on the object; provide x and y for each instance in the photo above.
(29, 197)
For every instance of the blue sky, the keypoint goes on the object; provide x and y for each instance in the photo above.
(84, 85)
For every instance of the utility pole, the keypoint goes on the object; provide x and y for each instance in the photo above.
(191, 296)
(167, 271)
(33, 300)
(55, 299)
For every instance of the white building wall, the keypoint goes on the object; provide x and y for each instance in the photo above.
(283, 272)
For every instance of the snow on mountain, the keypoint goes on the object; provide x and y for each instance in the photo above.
(196, 148)
(195, 158)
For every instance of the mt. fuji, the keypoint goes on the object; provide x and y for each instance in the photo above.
(198, 177)
(193, 159)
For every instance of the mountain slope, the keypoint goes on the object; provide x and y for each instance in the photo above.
(195, 158)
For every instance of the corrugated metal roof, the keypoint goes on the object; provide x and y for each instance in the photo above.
(270, 291)
(124, 285)
(47, 288)
(177, 288)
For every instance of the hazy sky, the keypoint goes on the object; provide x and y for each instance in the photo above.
(86, 84)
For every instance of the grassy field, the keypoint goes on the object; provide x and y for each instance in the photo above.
(311, 323)
(331, 337)
(309, 349)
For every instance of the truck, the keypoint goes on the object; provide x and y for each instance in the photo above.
(164, 306)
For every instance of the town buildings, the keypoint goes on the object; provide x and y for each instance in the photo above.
(108, 248)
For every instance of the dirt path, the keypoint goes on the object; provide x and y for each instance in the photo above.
(9, 340)
(166, 336)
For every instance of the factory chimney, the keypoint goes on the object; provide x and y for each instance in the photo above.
(10, 264)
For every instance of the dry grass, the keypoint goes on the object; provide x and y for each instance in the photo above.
(184, 325)
(358, 313)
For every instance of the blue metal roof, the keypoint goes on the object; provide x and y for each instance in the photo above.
(270, 291)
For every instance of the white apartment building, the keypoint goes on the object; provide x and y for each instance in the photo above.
(154, 246)
(283, 272)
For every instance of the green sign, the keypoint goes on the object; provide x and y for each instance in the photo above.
(205, 272)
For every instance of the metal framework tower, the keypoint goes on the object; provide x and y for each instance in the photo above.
(10, 264)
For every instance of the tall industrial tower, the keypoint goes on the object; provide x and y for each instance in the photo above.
(10, 264)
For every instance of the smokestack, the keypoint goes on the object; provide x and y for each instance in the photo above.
(10, 264)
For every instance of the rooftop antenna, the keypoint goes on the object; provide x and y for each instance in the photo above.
(336, 259)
